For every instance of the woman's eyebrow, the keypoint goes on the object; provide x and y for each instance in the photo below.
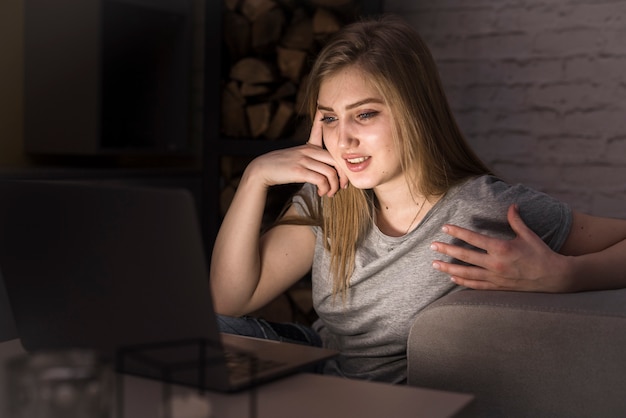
(353, 105)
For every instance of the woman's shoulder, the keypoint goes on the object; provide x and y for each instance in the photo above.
(306, 200)
(490, 192)
(493, 187)
(480, 187)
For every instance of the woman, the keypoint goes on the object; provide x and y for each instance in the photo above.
(396, 212)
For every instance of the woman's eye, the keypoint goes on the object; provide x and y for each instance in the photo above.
(367, 115)
(328, 119)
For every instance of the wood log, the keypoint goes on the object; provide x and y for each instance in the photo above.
(253, 9)
(291, 63)
(325, 23)
(233, 166)
(347, 9)
(233, 89)
(269, 43)
(231, 5)
(248, 90)
(333, 4)
(226, 167)
(236, 34)
(280, 121)
(233, 117)
(290, 5)
(259, 116)
(252, 70)
(284, 91)
(267, 30)
(299, 35)
(301, 104)
(302, 131)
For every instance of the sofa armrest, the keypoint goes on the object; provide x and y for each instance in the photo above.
(525, 354)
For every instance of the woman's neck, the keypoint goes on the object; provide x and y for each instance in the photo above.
(399, 210)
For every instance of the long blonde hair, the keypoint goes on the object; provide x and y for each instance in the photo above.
(434, 153)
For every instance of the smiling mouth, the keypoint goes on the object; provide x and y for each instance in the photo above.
(356, 160)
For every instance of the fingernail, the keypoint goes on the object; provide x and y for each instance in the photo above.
(445, 229)
(434, 247)
(436, 265)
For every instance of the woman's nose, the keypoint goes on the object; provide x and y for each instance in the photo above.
(346, 135)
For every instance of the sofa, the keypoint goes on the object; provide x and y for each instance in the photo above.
(525, 354)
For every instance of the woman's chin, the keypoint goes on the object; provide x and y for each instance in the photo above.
(362, 184)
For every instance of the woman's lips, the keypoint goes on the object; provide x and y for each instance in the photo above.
(359, 163)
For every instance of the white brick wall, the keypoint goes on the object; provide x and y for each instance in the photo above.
(539, 88)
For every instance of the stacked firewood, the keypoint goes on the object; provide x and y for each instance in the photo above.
(268, 46)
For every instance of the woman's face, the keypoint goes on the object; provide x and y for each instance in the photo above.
(356, 125)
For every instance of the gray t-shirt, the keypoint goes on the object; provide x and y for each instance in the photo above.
(394, 279)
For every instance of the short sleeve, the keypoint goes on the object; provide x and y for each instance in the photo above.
(304, 198)
(546, 216)
(489, 199)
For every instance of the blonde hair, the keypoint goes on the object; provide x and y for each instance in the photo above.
(434, 153)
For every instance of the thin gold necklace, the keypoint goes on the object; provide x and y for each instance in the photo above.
(416, 215)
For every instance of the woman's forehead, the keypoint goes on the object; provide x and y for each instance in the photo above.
(347, 87)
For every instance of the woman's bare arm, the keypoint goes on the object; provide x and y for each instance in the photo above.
(248, 271)
(593, 257)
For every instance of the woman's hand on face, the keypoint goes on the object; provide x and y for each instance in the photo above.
(309, 163)
(524, 263)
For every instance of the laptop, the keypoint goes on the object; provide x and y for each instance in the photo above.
(123, 270)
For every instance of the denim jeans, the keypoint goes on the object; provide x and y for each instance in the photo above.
(260, 328)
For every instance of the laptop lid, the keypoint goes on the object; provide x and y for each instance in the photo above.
(118, 269)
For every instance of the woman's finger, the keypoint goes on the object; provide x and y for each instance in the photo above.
(317, 135)
(470, 256)
(473, 238)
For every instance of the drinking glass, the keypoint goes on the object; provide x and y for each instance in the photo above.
(59, 384)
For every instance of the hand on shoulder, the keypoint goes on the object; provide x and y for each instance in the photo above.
(524, 263)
